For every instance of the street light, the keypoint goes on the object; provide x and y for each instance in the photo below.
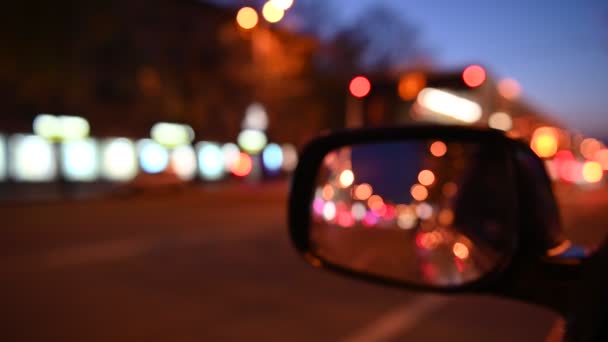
(282, 4)
(247, 18)
(271, 13)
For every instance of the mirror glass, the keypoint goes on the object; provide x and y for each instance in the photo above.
(429, 213)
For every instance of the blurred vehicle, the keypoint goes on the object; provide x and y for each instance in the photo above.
(448, 209)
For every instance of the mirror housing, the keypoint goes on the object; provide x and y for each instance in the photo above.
(538, 228)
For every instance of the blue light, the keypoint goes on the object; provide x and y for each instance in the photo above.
(210, 161)
(153, 158)
(273, 157)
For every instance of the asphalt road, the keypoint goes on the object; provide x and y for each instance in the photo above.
(216, 264)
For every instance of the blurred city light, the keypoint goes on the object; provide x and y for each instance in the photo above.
(252, 141)
(426, 177)
(438, 149)
(153, 158)
(31, 159)
(119, 160)
(57, 128)
(460, 250)
(359, 86)
(589, 147)
(271, 13)
(211, 163)
(446, 217)
(601, 157)
(450, 105)
(358, 211)
(509, 88)
(424, 211)
(329, 211)
(592, 172)
(363, 191)
(375, 202)
(501, 121)
(419, 192)
(242, 166)
(282, 4)
(230, 153)
(411, 84)
(3, 161)
(272, 157)
(328, 192)
(255, 118)
(406, 218)
(544, 142)
(172, 134)
(290, 157)
(183, 162)
(247, 18)
(346, 178)
(474, 76)
(80, 160)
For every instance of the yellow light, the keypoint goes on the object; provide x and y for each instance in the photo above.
(328, 192)
(172, 134)
(439, 149)
(346, 178)
(426, 177)
(419, 192)
(509, 88)
(411, 84)
(282, 4)
(544, 142)
(450, 105)
(460, 250)
(252, 141)
(363, 191)
(271, 13)
(247, 18)
(57, 128)
(592, 172)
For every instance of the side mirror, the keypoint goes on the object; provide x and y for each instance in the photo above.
(427, 207)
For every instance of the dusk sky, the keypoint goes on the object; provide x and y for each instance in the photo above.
(557, 50)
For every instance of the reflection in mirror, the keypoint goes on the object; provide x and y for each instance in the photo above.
(428, 213)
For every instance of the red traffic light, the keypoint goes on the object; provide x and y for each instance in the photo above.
(359, 86)
(474, 76)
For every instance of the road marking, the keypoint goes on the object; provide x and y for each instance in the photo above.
(398, 321)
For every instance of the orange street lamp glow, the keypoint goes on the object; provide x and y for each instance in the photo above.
(271, 13)
(247, 18)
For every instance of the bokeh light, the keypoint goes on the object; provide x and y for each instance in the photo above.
(153, 158)
(358, 211)
(328, 192)
(290, 157)
(346, 178)
(329, 211)
(31, 159)
(449, 189)
(359, 86)
(119, 160)
(544, 142)
(474, 76)
(501, 121)
(183, 162)
(247, 18)
(592, 172)
(589, 147)
(172, 134)
(424, 211)
(3, 161)
(256, 117)
(62, 127)
(460, 250)
(80, 160)
(426, 177)
(411, 84)
(438, 149)
(271, 13)
(252, 141)
(375, 202)
(419, 192)
(449, 105)
(601, 157)
(363, 191)
(282, 4)
(272, 157)
(509, 88)
(230, 153)
(446, 217)
(242, 166)
(211, 163)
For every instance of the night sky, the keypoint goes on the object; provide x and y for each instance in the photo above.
(557, 50)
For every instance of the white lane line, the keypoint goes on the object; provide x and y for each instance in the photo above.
(398, 321)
